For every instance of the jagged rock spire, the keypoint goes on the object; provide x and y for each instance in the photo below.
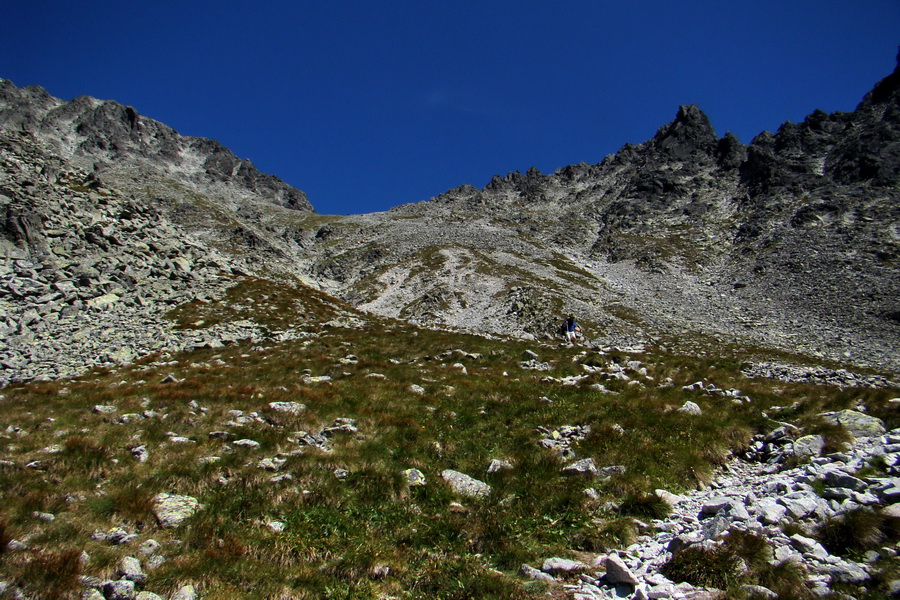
(689, 133)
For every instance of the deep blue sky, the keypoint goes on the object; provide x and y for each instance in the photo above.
(366, 104)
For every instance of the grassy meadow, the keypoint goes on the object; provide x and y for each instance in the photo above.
(351, 525)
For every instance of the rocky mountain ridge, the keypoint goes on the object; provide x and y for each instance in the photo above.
(111, 140)
(790, 242)
(116, 246)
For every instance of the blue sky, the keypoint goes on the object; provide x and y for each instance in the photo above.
(365, 105)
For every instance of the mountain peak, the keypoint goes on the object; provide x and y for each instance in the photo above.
(689, 133)
(92, 132)
(886, 89)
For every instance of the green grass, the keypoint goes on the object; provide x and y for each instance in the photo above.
(368, 534)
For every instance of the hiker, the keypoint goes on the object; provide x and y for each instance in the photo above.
(572, 330)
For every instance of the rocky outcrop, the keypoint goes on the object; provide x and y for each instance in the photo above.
(112, 139)
(88, 270)
(788, 507)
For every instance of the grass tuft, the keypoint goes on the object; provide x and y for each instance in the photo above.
(742, 558)
(5, 535)
(645, 505)
(857, 531)
(53, 575)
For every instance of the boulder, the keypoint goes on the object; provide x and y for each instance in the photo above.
(857, 423)
(809, 446)
(617, 572)
(584, 466)
(414, 477)
(557, 566)
(690, 408)
(186, 592)
(171, 510)
(130, 568)
(465, 485)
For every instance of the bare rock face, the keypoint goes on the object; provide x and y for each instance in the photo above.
(110, 138)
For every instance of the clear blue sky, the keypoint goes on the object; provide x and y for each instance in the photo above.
(366, 104)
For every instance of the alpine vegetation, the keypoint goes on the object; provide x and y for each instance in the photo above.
(207, 390)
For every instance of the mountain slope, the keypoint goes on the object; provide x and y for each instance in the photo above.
(791, 241)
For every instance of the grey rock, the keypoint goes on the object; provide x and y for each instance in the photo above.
(532, 573)
(465, 485)
(130, 568)
(171, 510)
(715, 527)
(809, 446)
(840, 479)
(617, 572)
(141, 453)
(736, 511)
(799, 506)
(890, 494)
(150, 546)
(846, 572)
(584, 467)
(246, 443)
(662, 591)
(857, 423)
(556, 566)
(291, 408)
(770, 512)
(758, 591)
(118, 536)
(122, 589)
(714, 505)
(498, 465)
(186, 592)
(808, 546)
(414, 477)
(610, 471)
(691, 408)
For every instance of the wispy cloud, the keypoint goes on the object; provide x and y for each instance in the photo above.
(461, 100)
